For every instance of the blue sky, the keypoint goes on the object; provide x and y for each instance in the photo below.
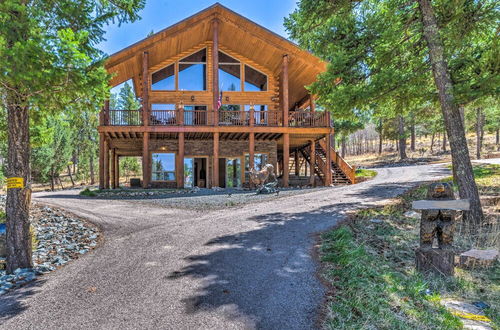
(159, 14)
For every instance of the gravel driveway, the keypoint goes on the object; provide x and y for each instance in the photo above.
(159, 267)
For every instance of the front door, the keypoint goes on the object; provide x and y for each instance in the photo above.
(233, 172)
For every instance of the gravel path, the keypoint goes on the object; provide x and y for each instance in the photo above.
(158, 267)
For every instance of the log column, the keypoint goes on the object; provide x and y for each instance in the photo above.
(113, 168)
(215, 72)
(286, 158)
(312, 104)
(251, 152)
(284, 90)
(101, 161)
(312, 163)
(145, 89)
(215, 167)
(117, 170)
(328, 177)
(297, 163)
(146, 175)
(180, 162)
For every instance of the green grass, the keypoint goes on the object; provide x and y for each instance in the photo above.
(365, 174)
(371, 267)
(2, 216)
(87, 192)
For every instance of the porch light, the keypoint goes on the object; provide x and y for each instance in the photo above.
(192, 97)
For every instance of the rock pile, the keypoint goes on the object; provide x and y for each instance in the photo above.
(58, 238)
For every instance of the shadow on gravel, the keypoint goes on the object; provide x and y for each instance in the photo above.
(265, 275)
(12, 304)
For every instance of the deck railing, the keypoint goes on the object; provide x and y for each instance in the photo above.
(308, 119)
(125, 117)
(181, 117)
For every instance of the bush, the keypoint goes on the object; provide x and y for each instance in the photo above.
(87, 192)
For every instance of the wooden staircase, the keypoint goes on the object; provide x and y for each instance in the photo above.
(342, 173)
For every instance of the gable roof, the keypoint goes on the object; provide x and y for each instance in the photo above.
(236, 33)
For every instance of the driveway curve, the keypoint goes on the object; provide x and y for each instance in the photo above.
(246, 267)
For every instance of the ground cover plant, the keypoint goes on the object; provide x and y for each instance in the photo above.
(369, 262)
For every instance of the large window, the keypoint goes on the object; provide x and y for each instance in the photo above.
(255, 81)
(163, 167)
(260, 160)
(193, 72)
(229, 73)
(164, 79)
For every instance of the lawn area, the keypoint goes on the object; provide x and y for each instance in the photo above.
(370, 265)
(363, 175)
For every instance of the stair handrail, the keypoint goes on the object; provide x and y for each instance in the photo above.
(349, 170)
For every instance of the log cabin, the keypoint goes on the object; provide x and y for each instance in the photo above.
(219, 95)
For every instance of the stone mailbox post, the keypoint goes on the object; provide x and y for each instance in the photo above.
(439, 212)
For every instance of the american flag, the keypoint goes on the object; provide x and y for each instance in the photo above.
(219, 101)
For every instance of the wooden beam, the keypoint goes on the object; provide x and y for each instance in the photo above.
(113, 168)
(328, 174)
(180, 162)
(106, 164)
(284, 90)
(220, 129)
(312, 163)
(215, 167)
(145, 89)
(145, 160)
(313, 105)
(215, 70)
(251, 150)
(297, 165)
(101, 161)
(117, 169)
(286, 159)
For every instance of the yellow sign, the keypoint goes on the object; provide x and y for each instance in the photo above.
(15, 183)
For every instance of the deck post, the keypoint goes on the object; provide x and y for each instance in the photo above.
(106, 113)
(251, 152)
(297, 164)
(328, 177)
(101, 160)
(312, 163)
(145, 89)
(106, 164)
(180, 162)
(145, 160)
(284, 90)
(313, 105)
(215, 72)
(286, 158)
(215, 167)
(113, 168)
(117, 170)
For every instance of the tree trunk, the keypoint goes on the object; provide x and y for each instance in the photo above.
(18, 199)
(413, 136)
(52, 184)
(380, 136)
(497, 137)
(464, 175)
(444, 141)
(71, 176)
(91, 163)
(402, 137)
(343, 146)
(432, 141)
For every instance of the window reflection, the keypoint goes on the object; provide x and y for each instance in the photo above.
(255, 81)
(164, 79)
(229, 73)
(163, 167)
(193, 72)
